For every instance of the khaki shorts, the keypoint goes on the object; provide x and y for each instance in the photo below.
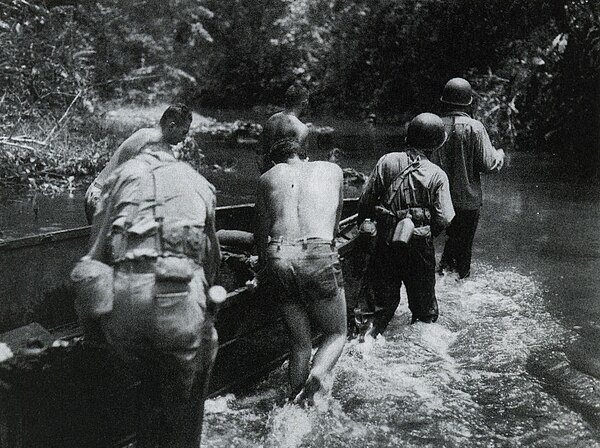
(304, 272)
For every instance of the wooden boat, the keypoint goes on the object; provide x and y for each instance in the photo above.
(67, 396)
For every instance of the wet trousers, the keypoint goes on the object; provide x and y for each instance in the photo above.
(413, 265)
(459, 244)
(160, 331)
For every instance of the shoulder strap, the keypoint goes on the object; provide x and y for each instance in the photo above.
(395, 185)
(158, 208)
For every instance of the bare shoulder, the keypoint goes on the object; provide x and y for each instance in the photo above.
(145, 135)
(276, 172)
(274, 118)
(332, 169)
(136, 141)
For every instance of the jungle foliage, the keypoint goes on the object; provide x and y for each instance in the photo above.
(535, 65)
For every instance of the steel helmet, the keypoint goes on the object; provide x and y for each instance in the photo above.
(457, 91)
(426, 131)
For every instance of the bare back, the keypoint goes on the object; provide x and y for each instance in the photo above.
(130, 148)
(283, 125)
(300, 200)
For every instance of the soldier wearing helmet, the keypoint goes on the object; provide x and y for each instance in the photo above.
(466, 153)
(409, 197)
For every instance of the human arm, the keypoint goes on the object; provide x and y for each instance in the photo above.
(266, 137)
(133, 145)
(101, 222)
(442, 210)
(307, 137)
(119, 200)
(490, 159)
(262, 221)
(500, 157)
(108, 207)
(213, 251)
(340, 206)
(371, 194)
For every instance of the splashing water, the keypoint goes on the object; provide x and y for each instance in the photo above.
(487, 374)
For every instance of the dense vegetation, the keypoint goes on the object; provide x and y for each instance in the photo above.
(534, 64)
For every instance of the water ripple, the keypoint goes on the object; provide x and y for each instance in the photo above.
(483, 376)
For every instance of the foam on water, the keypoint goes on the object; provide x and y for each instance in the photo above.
(483, 375)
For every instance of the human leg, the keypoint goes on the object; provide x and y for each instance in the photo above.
(320, 282)
(185, 345)
(468, 220)
(181, 407)
(125, 329)
(296, 318)
(330, 317)
(385, 279)
(418, 268)
(281, 281)
(448, 260)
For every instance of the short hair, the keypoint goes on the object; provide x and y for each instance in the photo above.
(284, 149)
(177, 113)
(295, 95)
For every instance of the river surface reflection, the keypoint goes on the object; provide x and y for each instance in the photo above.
(514, 359)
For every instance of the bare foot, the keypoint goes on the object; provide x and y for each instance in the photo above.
(312, 386)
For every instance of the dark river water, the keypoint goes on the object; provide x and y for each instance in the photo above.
(514, 359)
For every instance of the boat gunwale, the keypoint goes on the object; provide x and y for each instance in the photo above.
(75, 232)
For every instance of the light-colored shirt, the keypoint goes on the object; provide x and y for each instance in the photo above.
(428, 186)
(467, 152)
(128, 202)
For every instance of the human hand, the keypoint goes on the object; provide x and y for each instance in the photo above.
(252, 284)
(499, 162)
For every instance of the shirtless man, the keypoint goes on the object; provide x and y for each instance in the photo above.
(298, 209)
(170, 131)
(285, 124)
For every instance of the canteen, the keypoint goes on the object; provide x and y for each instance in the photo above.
(404, 230)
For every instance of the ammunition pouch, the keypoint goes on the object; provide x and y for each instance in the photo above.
(174, 269)
(386, 224)
(93, 282)
(150, 238)
(179, 237)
